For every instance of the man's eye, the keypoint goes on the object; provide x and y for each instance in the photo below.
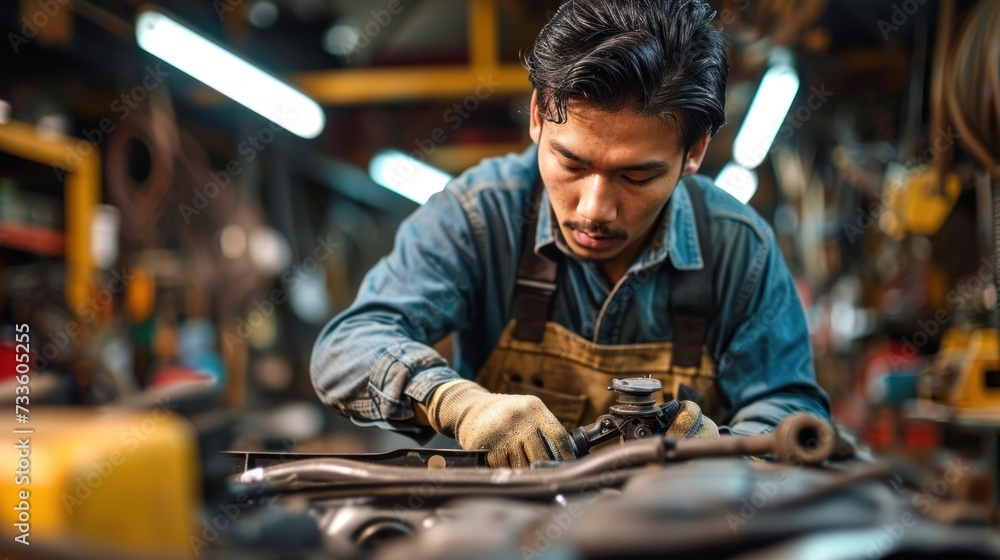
(572, 169)
(635, 182)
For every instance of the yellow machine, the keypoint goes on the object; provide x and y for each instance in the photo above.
(126, 481)
(966, 374)
(919, 201)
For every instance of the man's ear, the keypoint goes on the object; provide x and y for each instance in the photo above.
(695, 156)
(536, 119)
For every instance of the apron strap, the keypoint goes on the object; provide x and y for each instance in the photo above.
(536, 281)
(692, 300)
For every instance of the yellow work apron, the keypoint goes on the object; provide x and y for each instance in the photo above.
(571, 375)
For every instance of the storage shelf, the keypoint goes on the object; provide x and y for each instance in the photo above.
(39, 240)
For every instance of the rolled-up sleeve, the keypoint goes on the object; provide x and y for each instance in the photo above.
(766, 371)
(375, 359)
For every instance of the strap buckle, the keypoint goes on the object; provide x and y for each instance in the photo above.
(540, 286)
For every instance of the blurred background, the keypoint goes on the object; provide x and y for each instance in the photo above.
(156, 228)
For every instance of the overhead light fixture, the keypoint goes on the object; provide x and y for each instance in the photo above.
(341, 39)
(766, 114)
(229, 74)
(262, 14)
(407, 175)
(737, 181)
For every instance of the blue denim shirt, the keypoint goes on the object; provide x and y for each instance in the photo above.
(453, 269)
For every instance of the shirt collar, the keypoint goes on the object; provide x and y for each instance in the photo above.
(676, 235)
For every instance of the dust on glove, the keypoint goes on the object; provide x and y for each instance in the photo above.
(691, 423)
(516, 430)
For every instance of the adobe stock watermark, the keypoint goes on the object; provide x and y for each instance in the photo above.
(456, 116)
(264, 308)
(622, 297)
(426, 317)
(729, 15)
(901, 14)
(758, 327)
(89, 310)
(418, 498)
(766, 490)
(129, 442)
(930, 495)
(214, 525)
(960, 297)
(796, 118)
(122, 107)
(223, 7)
(763, 492)
(818, 97)
(356, 38)
(561, 520)
(868, 217)
(30, 25)
(248, 150)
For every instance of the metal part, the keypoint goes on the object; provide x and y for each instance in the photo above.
(243, 461)
(381, 531)
(799, 439)
(716, 508)
(635, 396)
(635, 415)
(806, 439)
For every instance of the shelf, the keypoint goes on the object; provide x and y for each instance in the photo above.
(39, 240)
(81, 193)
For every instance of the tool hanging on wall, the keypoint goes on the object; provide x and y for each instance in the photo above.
(971, 78)
(143, 202)
(970, 72)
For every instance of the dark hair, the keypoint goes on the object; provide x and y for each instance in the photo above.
(659, 57)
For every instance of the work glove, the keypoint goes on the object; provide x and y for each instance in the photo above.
(691, 423)
(516, 430)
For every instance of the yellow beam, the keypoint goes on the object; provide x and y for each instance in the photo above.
(348, 87)
(484, 28)
(82, 164)
(56, 22)
(455, 158)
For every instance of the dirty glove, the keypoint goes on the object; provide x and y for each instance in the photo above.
(691, 423)
(516, 430)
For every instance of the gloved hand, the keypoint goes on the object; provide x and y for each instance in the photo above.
(515, 429)
(691, 423)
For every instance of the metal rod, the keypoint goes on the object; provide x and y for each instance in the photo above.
(800, 438)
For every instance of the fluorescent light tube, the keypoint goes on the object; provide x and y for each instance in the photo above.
(766, 114)
(737, 181)
(232, 76)
(406, 175)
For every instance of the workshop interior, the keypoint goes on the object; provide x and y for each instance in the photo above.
(191, 189)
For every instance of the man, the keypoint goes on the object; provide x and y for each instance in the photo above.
(595, 254)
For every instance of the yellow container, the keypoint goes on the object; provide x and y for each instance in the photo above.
(122, 480)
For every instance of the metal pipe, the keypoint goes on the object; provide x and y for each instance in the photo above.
(800, 438)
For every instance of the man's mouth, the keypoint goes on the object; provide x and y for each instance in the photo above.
(593, 242)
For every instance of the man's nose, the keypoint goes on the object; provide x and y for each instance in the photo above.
(597, 202)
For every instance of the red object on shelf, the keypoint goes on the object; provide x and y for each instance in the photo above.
(8, 361)
(33, 239)
(921, 436)
(173, 375)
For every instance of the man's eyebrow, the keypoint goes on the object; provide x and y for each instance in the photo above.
(652, 165)
(557, 146)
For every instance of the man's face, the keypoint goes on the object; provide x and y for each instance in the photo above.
(608, 176)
